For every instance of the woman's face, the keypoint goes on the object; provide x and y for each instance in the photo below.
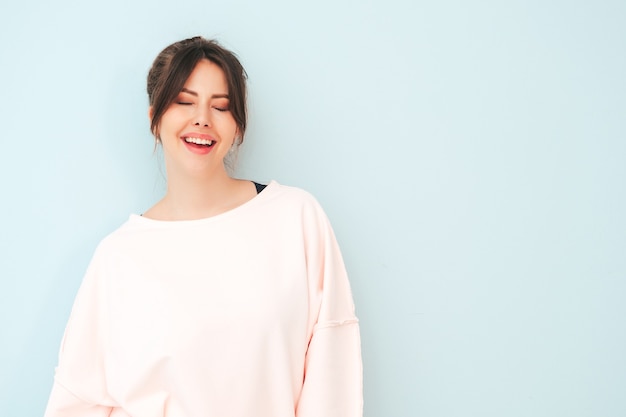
(198, 129)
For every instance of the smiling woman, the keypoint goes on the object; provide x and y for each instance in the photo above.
(225, 298)
(197, 95)
(197, 132)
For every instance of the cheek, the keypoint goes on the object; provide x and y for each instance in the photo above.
(171, 119)
(231, 124)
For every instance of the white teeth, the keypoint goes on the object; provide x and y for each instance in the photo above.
(199, 141)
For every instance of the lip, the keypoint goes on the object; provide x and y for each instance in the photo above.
(198, 149)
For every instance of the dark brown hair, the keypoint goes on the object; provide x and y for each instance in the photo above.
(174, 64)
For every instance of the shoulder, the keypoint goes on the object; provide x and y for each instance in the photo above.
(289, 194)
(118, 240)
(291, 197)
(287, 203)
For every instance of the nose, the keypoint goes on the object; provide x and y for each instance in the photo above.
(202, 117)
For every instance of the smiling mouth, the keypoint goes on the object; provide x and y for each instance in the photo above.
(199, 141)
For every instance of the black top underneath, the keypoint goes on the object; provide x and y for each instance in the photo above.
(259, 187)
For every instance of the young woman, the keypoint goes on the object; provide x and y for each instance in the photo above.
(227, 298)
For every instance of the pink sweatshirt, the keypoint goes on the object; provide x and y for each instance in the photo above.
(245, 314)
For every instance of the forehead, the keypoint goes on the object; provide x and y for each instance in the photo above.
(207, 76)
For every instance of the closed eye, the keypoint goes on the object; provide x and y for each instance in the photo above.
(184, 103)
(221, 108)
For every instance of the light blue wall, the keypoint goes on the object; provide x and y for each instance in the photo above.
(471, 156)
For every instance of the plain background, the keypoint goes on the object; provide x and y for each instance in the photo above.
(470, 155)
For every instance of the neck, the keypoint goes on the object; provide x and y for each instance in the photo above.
(190, 197)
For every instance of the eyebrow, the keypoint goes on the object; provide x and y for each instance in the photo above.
(193, 93)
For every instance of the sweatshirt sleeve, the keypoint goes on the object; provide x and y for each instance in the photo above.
(333, 370)
(79, 384)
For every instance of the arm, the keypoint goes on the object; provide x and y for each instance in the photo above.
(79, 388)
(333, 371)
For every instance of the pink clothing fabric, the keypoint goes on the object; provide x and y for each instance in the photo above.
(245, 314)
